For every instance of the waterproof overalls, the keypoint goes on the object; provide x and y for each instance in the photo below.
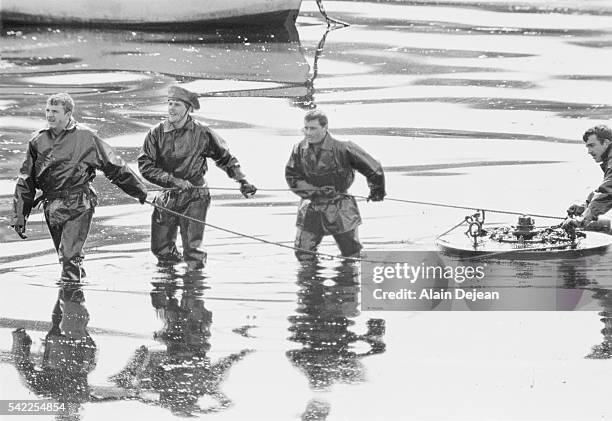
(330, 163)
(169, 153)
(600, 200)
(63, 166)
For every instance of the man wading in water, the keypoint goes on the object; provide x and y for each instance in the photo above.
(320, 170)
(174, 157)
(62, 160)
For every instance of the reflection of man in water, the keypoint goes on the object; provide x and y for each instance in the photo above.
(69, 354)
(183, 373)
(174, 156)
(320, 170)
(325, 314)
(604, 350)
(62, 160)
(598, 141)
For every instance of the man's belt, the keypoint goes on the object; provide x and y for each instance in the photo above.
(82, 188)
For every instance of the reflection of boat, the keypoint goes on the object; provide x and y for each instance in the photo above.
(523, 240)
(151, 13)
(273, 57)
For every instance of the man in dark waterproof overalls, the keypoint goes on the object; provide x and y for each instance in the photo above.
(174, 157)
(598, 141)
(62, 160)
(320, 170)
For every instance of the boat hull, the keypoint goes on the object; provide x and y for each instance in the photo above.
(137, 14)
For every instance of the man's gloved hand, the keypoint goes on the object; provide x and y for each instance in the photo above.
(182, 184)
(576, 209)
(21, 341)
(20, 226)
(377, 195)
(327, 191)
(247, 189)
(159, 299)
(571, 223)
(142, 199)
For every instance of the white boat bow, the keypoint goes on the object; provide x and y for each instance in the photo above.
(150, 13)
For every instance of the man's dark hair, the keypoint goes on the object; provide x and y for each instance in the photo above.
(602, 132)
(316, 115)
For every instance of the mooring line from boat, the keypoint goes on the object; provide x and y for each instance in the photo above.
(328, 19)
(391, 199)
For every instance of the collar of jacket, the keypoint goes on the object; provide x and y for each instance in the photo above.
(168, 127)
(605, 157)
(326, 143)
(70, 126)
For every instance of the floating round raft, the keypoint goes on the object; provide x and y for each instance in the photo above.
(524, 241)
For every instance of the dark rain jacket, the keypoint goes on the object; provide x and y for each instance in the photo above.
(169, 153)
(66, 163)
(333, 163)
(600, 201)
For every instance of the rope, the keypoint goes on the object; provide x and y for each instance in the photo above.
(354, 259)
(444, 205)
(314, 253)
(391, 199)
(336, 257)
(275, 243)
(453, 228)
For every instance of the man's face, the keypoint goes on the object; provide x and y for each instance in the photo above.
(313, 131)
(595, 148)
(176, 110)
(57, 118)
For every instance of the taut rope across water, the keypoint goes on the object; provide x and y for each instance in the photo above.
(327, 255)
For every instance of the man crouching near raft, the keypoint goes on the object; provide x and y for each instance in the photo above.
(598, 141)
